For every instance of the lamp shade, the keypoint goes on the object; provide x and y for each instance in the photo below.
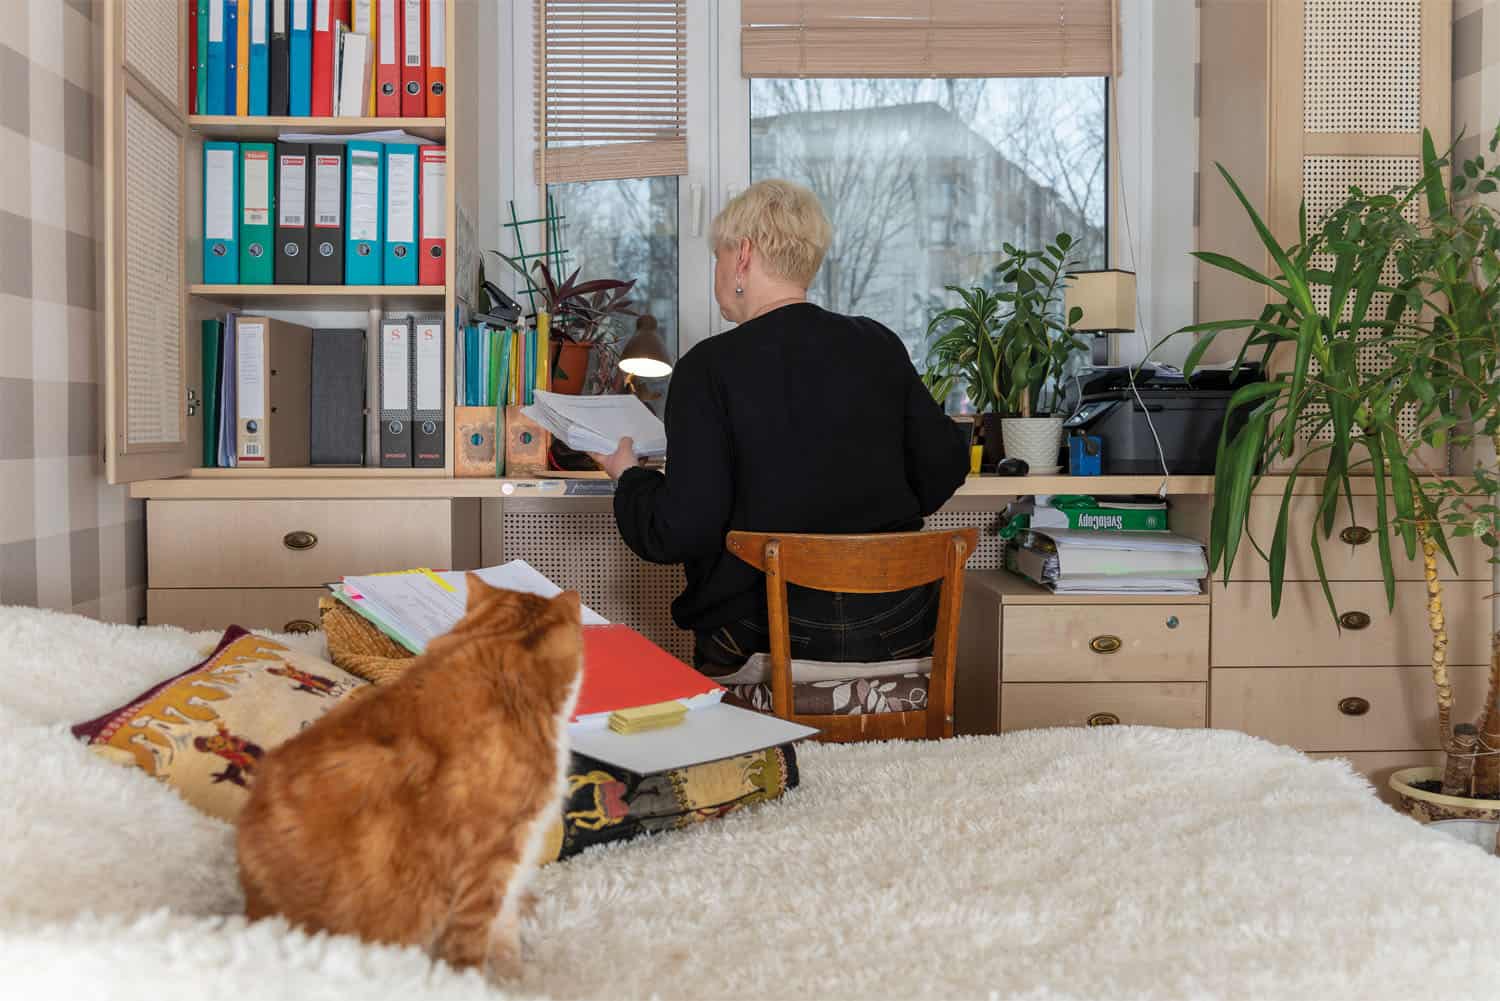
(645, 354)
(1107, 299)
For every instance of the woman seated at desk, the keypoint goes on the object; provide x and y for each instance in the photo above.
(797, 420)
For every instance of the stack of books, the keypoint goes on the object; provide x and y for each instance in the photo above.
(1080, 545)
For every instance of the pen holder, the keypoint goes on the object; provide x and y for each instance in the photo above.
(525, 445)
(1085, 455)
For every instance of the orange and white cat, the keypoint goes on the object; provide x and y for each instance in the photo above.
(415, 815)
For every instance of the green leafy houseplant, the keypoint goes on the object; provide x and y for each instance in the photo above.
(581, 313)
(1421, 297)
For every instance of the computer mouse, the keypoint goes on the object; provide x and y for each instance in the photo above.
(1012, 467)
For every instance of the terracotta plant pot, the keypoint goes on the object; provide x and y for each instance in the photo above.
(1429, 806)
(570, 366)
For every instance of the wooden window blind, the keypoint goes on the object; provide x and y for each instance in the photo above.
(927, 38)
(611, 89)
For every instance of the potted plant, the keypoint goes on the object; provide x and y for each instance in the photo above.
(1435, 327)
(581, 330)
(1009, 347)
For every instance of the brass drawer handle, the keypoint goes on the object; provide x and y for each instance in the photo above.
(1354, 706)
(299, 541)
(1105, 644)
(1355, 535)
(1354, 620)
(1101, 719)
(299, 626)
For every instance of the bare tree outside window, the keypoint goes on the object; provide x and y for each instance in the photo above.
(926, 180)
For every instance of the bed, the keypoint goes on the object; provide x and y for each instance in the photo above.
(1065, 863)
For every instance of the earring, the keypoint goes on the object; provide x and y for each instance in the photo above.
(739, 290)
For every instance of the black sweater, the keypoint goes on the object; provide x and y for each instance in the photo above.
(799, 420)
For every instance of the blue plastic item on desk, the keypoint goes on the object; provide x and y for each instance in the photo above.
(1085, 455)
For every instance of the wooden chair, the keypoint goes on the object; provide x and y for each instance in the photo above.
(864, 564)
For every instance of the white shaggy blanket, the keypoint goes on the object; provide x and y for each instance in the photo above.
(1071, 863)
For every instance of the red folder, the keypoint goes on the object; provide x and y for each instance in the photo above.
(192, 58)
(413, 58)
(435, 55)
(324, 39)
(388, 58)
(433, 252)
(622, 670)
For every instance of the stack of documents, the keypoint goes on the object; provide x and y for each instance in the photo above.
(621, 670)
(1085, 562)
(597, 423)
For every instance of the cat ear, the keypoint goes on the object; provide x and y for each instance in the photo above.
(477, 590)
(570, 603)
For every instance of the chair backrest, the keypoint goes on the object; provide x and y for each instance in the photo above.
(864, 564)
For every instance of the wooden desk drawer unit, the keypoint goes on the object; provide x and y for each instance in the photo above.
(1351, 554)
(1340, 708)
(1117, 643)
(1028, 706)
(1245, 635)
(304, 543)
(278, 609)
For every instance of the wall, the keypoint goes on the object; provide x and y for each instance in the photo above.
(68, 540)
(1476, 73)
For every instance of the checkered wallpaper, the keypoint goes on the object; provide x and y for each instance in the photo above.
(68, 540)
(1476, 74)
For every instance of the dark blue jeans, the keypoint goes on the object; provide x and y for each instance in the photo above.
(830, 626)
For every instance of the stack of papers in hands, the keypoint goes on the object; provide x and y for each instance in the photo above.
(1083, 562)
(597, 423)
(621, 670)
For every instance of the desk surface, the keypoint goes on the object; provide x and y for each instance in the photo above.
(308, 483)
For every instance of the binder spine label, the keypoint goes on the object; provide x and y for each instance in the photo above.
(326, 192)
(257, 187)
(413, 30)
(218, 220)
(401, 177)
(293, 186)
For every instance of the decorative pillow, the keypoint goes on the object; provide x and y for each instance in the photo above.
(893, 693)
(203, 731)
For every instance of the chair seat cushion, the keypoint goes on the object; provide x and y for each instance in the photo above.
(888, 693)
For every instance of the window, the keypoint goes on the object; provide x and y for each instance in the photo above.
(925, 180)
(626, 229)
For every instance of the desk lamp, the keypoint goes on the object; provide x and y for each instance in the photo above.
(645, 355)
(1107, 299)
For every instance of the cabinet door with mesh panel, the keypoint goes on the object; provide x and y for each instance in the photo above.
(145, 144)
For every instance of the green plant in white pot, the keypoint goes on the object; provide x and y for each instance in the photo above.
(1011, 347)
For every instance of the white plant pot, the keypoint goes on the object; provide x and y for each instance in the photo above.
(1035, 440)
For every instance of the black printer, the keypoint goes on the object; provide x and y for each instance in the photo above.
(1188, 415)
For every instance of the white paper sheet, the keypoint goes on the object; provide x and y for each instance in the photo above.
(377, 136)
(291, 206)
(400, 197)
(249, 359)
(218, 188)
(597, 423)
(709, 734)
(364, 195)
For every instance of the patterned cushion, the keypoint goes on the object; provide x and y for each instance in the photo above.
(892, 693)
(203, 731)
(603, 803)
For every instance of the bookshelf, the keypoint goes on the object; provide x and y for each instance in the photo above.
(155, 299)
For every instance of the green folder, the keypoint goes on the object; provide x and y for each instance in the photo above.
(257, 214)
(213, 339)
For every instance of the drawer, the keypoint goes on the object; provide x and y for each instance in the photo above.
(281, 609)
(303, 543)
(1245, 635)
(1105, 642)
(1028, 706)
(1377, 766)
(1309, 707)
(1351, 554)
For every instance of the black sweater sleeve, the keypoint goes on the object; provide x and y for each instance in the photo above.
(937, 458)
(684, 514)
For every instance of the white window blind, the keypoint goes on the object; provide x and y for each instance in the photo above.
(611, 89)
(927, 38)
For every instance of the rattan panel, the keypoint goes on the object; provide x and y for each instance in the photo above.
(583, 550)
(1362, 65)
(151, 44)
(153, 281)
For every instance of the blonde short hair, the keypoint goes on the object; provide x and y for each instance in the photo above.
(784, 223)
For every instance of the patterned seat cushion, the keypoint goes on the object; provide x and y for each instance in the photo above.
(891, 693)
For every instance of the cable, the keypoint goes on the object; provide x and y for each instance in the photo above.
(1161, 454)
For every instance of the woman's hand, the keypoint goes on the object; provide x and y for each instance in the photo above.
(622, 459)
